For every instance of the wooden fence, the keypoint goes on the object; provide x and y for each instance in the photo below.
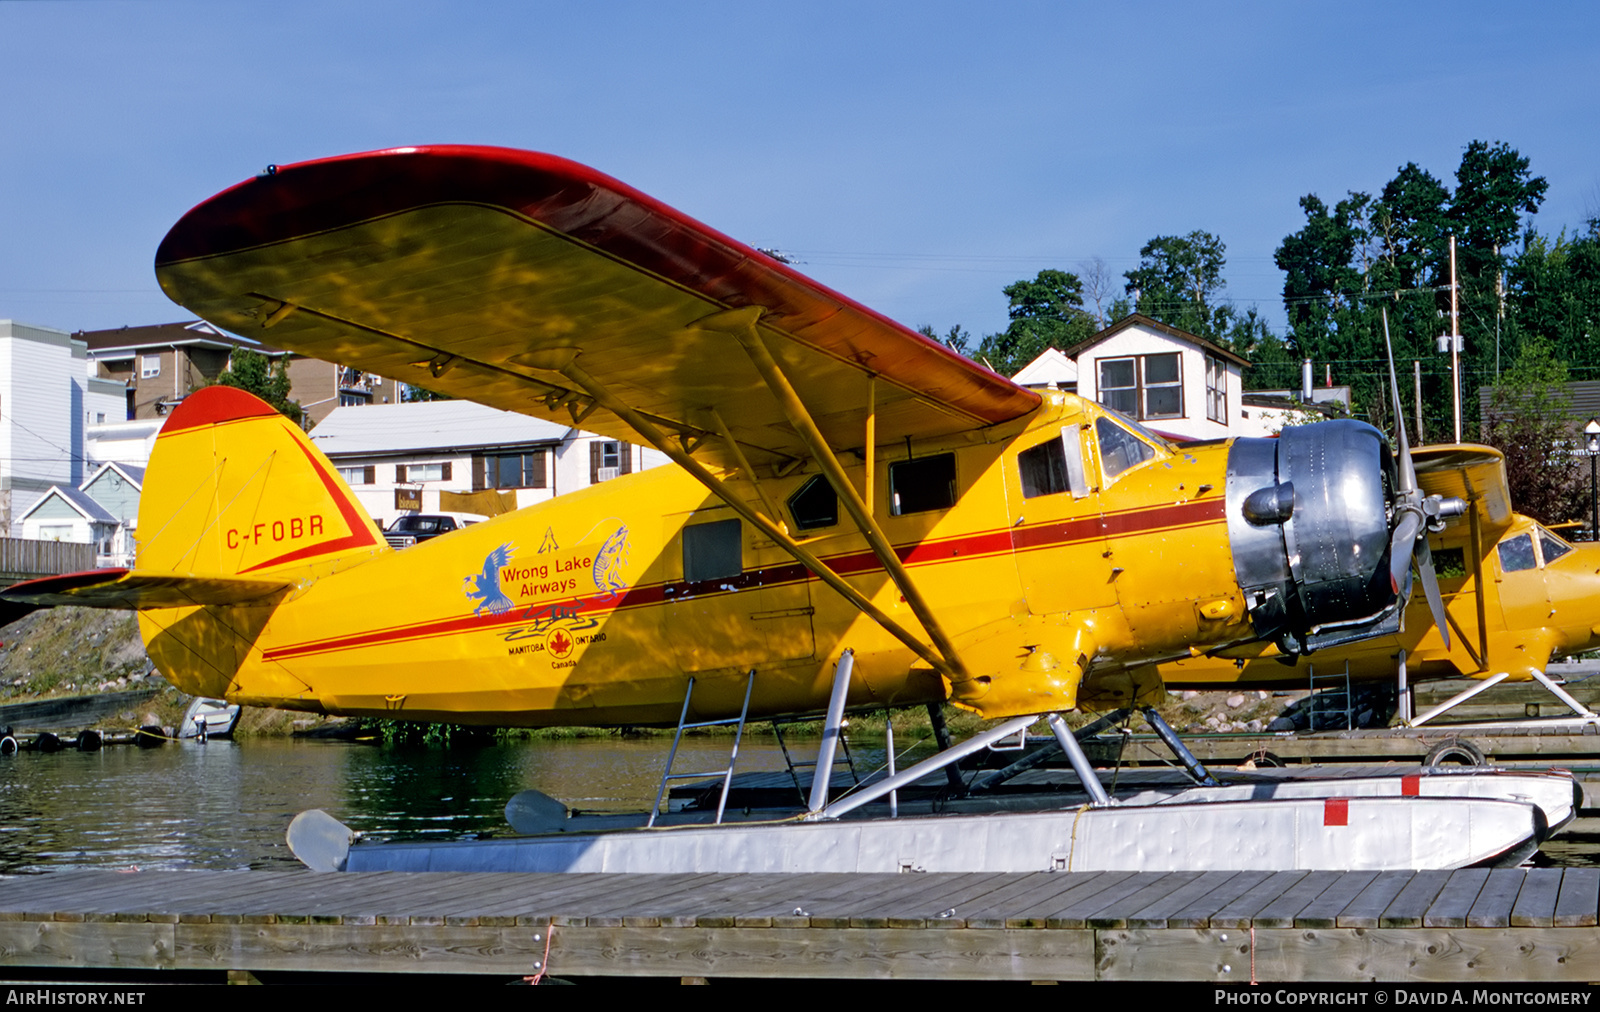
(23, 559)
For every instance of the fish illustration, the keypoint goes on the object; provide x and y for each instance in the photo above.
(608, 563)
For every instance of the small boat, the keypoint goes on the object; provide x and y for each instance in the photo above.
(208, 718)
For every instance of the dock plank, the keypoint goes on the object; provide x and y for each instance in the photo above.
(1575, 907)
(1536, 902)
(1116, 913)
(1198, 912)
(1324, 911)
(1492, 908)
(1157, 914)
(1365, 910)
(1449, 909)
(1281, 912)
(1413, 901)
(1242, 909)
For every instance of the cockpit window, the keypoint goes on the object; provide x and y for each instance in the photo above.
(1551, 547)
(1119, 448)
(1516, 554)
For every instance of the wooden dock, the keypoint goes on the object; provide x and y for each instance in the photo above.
(1502, 925)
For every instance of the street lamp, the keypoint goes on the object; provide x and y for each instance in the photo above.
(1592, 430)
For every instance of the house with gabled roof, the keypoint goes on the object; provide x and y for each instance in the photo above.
(1167, 379)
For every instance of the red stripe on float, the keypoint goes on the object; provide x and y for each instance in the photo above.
(1336, 812)
(1411, 787)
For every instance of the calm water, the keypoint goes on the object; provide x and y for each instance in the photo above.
(226, 805)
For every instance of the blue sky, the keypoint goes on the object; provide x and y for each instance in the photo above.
(915, 156)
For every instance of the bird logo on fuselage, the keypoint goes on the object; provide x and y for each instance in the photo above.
(484, 587)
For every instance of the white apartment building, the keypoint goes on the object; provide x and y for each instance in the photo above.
(48, 398)
(399, 458)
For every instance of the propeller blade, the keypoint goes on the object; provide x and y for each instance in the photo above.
(1401, 546)
(1430, 586)
(1408, 470)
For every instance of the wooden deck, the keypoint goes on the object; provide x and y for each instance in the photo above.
(1501, 925)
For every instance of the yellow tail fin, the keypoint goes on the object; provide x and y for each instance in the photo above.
(233, 487)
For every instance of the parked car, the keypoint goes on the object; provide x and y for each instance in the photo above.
(415, 527)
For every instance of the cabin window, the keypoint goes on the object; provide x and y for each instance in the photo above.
(1043, 469)
(922, 484)
(1551, 547)
(1119, 448)
(712, 551)
(1516, 554)
(815, 505)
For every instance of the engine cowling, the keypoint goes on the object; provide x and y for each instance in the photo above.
(1309, 520)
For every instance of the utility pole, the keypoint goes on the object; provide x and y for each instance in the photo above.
(1416, 376)
(1452, 341)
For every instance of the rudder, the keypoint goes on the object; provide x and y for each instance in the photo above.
(234, 488)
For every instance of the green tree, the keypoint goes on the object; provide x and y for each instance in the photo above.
(1528, 420)
(1046, 312)
(1179, 282)
(956, 339)
(413, 393)
(264, 376)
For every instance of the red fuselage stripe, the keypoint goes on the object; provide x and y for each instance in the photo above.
(987, 543)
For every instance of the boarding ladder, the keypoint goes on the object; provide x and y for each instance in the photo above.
(846, 759)
(733, 755)
(1322, 703)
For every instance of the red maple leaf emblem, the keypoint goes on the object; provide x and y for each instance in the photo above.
(560, 643)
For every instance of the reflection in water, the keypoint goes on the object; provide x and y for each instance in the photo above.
(227, 804)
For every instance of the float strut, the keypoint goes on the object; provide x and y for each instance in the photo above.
(949, 757)
(822, 773)
(941, 735)
(1202, 776)
(1080, 762)
(1561, 694)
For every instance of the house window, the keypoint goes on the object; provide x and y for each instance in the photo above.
(422, 472)
(922, 484)
(1119, 385)
(1216, 389)
(149, 365)
(508, 470)
(359, 475)
(1143, 386)
(609, 458)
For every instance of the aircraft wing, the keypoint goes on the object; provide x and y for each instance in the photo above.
(134, 589)
(478, 272)
(1471, 472)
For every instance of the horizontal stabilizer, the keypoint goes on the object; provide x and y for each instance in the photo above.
(135, 589)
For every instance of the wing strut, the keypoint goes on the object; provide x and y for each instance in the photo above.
(771, 529)
(741, 323)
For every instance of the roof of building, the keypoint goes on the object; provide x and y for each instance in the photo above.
(1141, 320)
(1051, 367)
(128, 340)
(375, 429)
(79, 500)
(132, 472)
